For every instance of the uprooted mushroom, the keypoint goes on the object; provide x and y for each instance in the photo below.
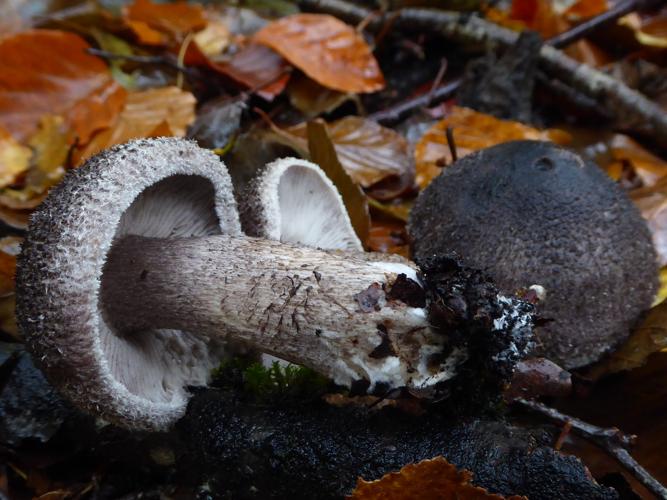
(135, 274)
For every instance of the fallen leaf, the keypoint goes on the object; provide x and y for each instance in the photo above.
(50, 146)
(325, 48)
(312, 99)
(434, 479)
(471, 131)
(650, 32)
(217, 123)
(584, 9)
(14, 158)
(158, 24)
(148, 113)
(46, 71)
(10, 246)
(213, 39)
(323, 153)
(254, 67)
(648, 338)
(652, 203)
(647, 166)
(388, 236)
(368, 151)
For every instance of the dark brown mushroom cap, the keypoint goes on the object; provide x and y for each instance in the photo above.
(163, 188)
(529, 212)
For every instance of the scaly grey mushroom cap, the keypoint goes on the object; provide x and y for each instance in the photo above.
(293, 201)
(164, 188)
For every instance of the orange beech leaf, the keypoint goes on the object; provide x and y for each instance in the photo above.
(253, 67)
(625, 151)
(651, 31)
(155, 23)
(434, 479)
(472, 131)
(584, 9)
(14, 158)
(10, 246)
(149, 113)
(325, 48)
(48, 71)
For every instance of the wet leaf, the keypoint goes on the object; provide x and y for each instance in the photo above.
(217, 123)
(388, 236)
(213, 39)
(651, 31)
(149, 113)
(14, 158)
(427, 480)
(158, 24)
(312, 99)
(369, 152)
(652, 202)
(648, 338)
(471, 131)
(323, 153)
(329, 51)
(584, 9)
(45, 71)
(50, 145)
(254, 67)
(647, 166)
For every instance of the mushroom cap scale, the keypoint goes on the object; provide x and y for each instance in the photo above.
(163, 187)
(293, 201)
(532, 213)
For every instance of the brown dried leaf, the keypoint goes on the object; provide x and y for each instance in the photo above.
(434, 479)
(625, 151)
(323, 153)
(46, 71)
(388, 236)
(325, 48)
(472, 131)
(369, 152)
(149, 113)
(157, 24)
(253, 67)
(312, 99)
(14, 158)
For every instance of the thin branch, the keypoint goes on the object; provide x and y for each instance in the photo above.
(612, 440)
(161, 60)
(628, 106)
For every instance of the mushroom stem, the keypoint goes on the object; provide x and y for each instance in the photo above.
(331, 312)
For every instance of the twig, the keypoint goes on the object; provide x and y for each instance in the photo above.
(449, 133)
(631, 108)
(402, 109)
(612, 440)
(166, 61)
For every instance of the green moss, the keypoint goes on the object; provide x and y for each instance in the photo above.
(266, 383)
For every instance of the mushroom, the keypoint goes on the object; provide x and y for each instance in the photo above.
(532, 213)
(293, 201)
(135, 274)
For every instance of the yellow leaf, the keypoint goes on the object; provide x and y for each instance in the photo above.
(14, 158)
